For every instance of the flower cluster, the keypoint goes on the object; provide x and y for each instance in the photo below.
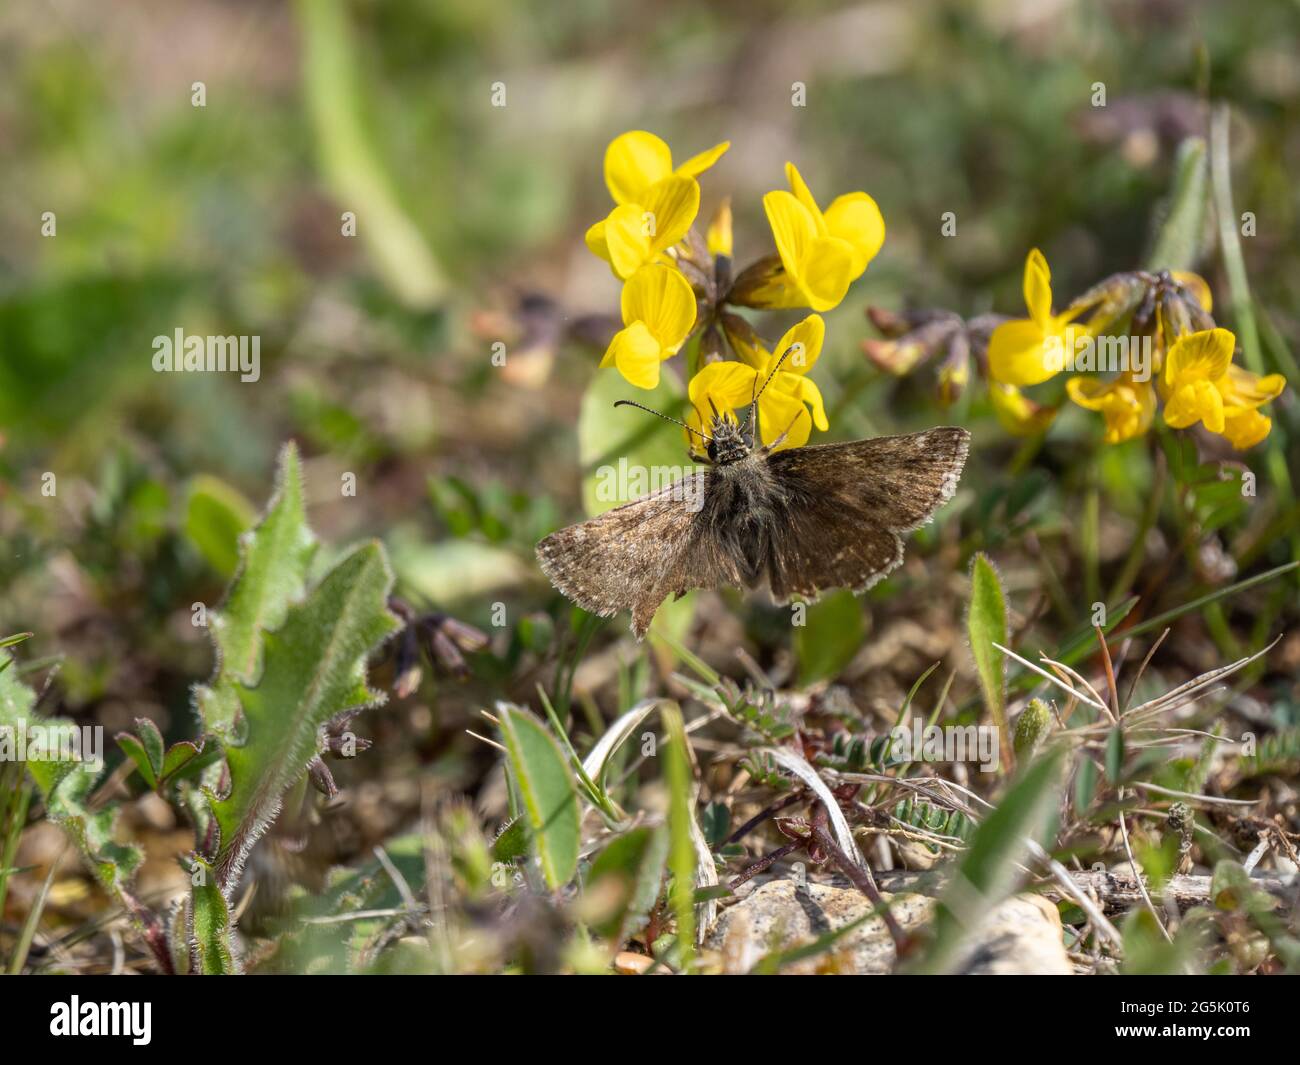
(1130, 345)
(678, 285)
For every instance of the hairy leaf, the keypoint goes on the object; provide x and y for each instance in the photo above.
(314, 669)
(986, 624)
(66, 785)
(273, 568)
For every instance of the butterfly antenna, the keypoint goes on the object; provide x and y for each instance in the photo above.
(796, 344)
(753, 405)
(665, 417)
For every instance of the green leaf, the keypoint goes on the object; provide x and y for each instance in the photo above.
(152, 742)
(512, 843)
(179, 755)
(547, 791)
(988, 869)
(1182, 229)
(1114, 754)
(66, 787)
(831, 635)
(134, 750)
(216, 515)
(210, 927)
(625, 452)
(274, 560)
(634, 865)
(314, 669)
(682, 856)
(986, 623)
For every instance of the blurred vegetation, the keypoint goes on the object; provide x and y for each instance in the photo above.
(228, 219)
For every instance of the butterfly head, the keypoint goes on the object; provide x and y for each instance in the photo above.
(727, 441)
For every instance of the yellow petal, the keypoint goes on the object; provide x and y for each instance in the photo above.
(804, 195)
(1128, 406)
(1019, 414)
(669, 208)
(826, 273)
(1242, 389)
(793, 228)
(596, 242)
(806, 339)
(661, 298)
(636, 353)
(697, 164)
(781, 412)
(731, 386)
(628, 240)
(1038, 287)
(1019, 354)
(1195, 401)
(633, 162)
(1246, 429)
(854, 217)
(1203, 356)
(808, 392)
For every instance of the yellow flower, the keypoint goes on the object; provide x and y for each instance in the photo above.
(784, 405)
(658, 315)
(1202, 385)
(822, 253)
(636, 161)
(1029, 351)
(656, 204)
(1127, 405)
(634, 234)
(1019, 415)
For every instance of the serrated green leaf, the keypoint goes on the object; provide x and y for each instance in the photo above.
(547, 791)
(314, 668)
(66, 787)
(986, 624)
(275, 557)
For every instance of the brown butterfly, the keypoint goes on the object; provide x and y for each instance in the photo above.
(805, 519)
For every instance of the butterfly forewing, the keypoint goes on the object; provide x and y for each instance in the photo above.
(626, 558)
(846, 507)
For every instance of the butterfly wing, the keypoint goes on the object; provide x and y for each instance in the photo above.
(846, 506)
(631, 557)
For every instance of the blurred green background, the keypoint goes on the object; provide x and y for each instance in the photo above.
(226, 218)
